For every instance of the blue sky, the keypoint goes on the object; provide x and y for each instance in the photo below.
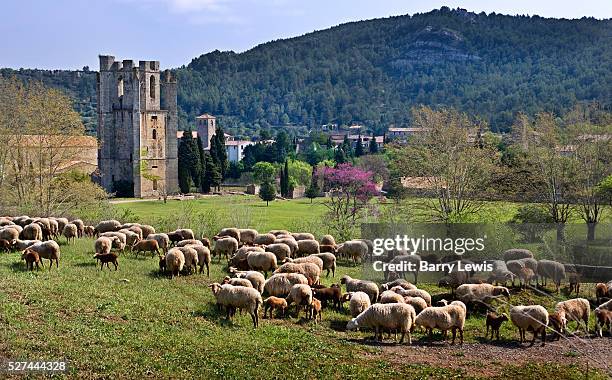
(70, 34)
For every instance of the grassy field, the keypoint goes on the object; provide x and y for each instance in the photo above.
(135, 323)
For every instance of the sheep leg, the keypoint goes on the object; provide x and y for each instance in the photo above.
(487, 333)
(454, 330)
(460, 336)
(535, 334)
(116, 264)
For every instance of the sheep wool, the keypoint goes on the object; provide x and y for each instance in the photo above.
(355, 285)
(395, 316)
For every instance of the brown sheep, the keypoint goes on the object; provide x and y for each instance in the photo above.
(603, 317)
(601, 291)
(107, 258)
(315, 310)
(332, 294)
(272, 303)
(494, 321)
(31, 258)
(146, 246)
(89, 231)
(5, 245)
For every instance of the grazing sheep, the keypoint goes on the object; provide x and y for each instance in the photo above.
(174, 237)
(107, 226)
(103, 245)
(118, 243)
(280, 232)
(107, 258)
(163, 241)
(32, 231)
(187, 242)
(309, 270)
(601, 292)
(6, 245)
(494, 321)
(533, 318)
(225, 247)
(175, 261)
(20, 245)
(574, 283)
(146, 246)
(577, 309)
(355, 250)
(230, 232)
(185, 233)
(315, 310)
(307, 247)
(49, 250)
(237, 281)
(263, 261)
(455, 279)
(358, 302)
(54, 226)
(413, 293)
(553, 270)
(264, 239)
(386, 317)
(313, 259)
(256, 278)
(191, 259)
(399, 282)
(280, 284)
(444, 318)
(237, 297)
(517, 253)
(61, 223)
(525, 276)
(301, 295)
(481, 293)
(500, 273)
(389, 296)
(298, 236)
(204, 258)
(406, 260)
(328, 240)
(274, 303)
(355, 285)
(332, 294)
(147, 230)
(31, 258)
(131, 237)
(602, 318)
(280, 250)
(239, 260)
(80, 226)
(290, 242)
(10, 234)
(247, 235)
(516, 266)
(418, 303)
(89, 231)
(329, 262)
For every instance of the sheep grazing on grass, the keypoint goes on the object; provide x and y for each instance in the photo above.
(516, 266)
(328, 240)
(444, 318)
(263, 261)
(313, 259)
(191, 259)
(264, 239)
(530, 318)
(103, 245)
(230, 232)
(247, 235)
(280, 284)
(118, 243)
(500, 273)
(517, 254)
(107, 258)
(280, 250)
(5, 245)
(174, 237)
(577, 309)
(256, 278)
(332, 294)
(237, 282)
(389, 296)
(225, 247)
(494, 321)
(175, 261)
(388, 317)
(204, 258)
(603, 318)
(187, 242)
(574, 280)
(163, 241)
(553, 270)
(31, 258)
(185, 233)
(398, 282)
(309, 270)
(315, 310)
(413, 293)
(355, 250)
(290, 242)
(89, 231)
(131, 238)
(481, 293)
(146, 246)
(358, 302)
(301, 295)
(280, 232)
(526, 275)
(80, 226)
(418, 303)
(602, 291)
(274, 303)
(355, 285)
(45, 227)
(20, 245)
(32, 232)
(10, 233)
(307, 247)
(298, 236)
(238, 297)
(147, 230)
(107, 226)
(136, 230)
(49, 250)
(54, 226)
(329, 262)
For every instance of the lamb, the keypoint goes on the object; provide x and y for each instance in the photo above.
(6, 245)
(307, 247)
(356, 250)
(386, 317)
(577, 309)
(274, 303)
(314, 259)
(31, 258)
(264, 239)
(389, 296)
(553, 270)
(298, 236)
(418, 303)
(448, 317)
(256, 278)
(191, 258)
(301, 295)
(203, 257)
(516, 266)
(399, 282)
(358, 302)
(517, 253)
(263, 261)
(355, 285)
(187, 242)
(146, 246)
(237, 282)
(103, 245)
(483, 293)
(602, 318)
(280, 284)
(315, 310)
(226, 247)
(80, 227)
(89, 231)
(247, 235)
(238, 297)
(332, 294)
(328, 240)
(280, 250)
(107, 226)
(49, 250)
(494, 321)
(32, 231)
(118, 243)
(230, 232)
(413, 293)
(329, 262)
(175, 261)
(533, 317)
(309, 270)
(163, 241)
(106, 258)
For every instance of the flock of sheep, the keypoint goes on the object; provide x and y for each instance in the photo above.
(296, 262)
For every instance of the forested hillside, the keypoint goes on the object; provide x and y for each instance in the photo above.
(373, 71)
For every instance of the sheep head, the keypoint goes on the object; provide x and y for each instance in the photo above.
(501, 291)
(352, 325)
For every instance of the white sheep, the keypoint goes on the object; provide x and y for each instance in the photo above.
(314, 259)
(289, 241)
(256, 278)
(301, 295)
(247, 235)
(162, 240)
(230, 232)
(146, 230)
(355, 250)
(131, 237)
(175, 261)
(108, 226)
(532, 317)
(308, 247)
(386, 317)
(444, 318)
(185, 233)
(32, 231)
(49, 250)
(80, 226)
(263, 261)
(279, 284)
(238, 297)
(303, 236)
(264, 239)
(204, 258)
(9, 233)
(311, 271)
(103, 245)
(399, 282)
(225, 247)
(355, 285)
(413, 293)
(481, 293)
(191, 259)
(328, 240)
(237, 281)
(21, 245)
(389, 296)
(280, 250)
(553, 270)
(358, 302)
(418, 303)
(187, 242)
(576, 309)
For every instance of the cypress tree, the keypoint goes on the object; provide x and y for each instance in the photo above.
(373, 145)
(340, 156)
(359, 147)
(184, 174)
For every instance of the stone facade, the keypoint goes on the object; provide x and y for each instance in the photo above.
(206, 125)
(137, 124)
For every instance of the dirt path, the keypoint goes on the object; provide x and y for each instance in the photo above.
(488, 359)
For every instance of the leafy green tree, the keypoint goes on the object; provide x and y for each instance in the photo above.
(264, 172)
(235, 169)
(267, 191)
(212, 175)
(313, 190)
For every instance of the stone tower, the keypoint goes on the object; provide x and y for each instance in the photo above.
(206, 125)
(137, 123)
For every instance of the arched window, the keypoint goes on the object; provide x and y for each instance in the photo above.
(154, 134)
(152, 86)
(154, 184)
(120, 87)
